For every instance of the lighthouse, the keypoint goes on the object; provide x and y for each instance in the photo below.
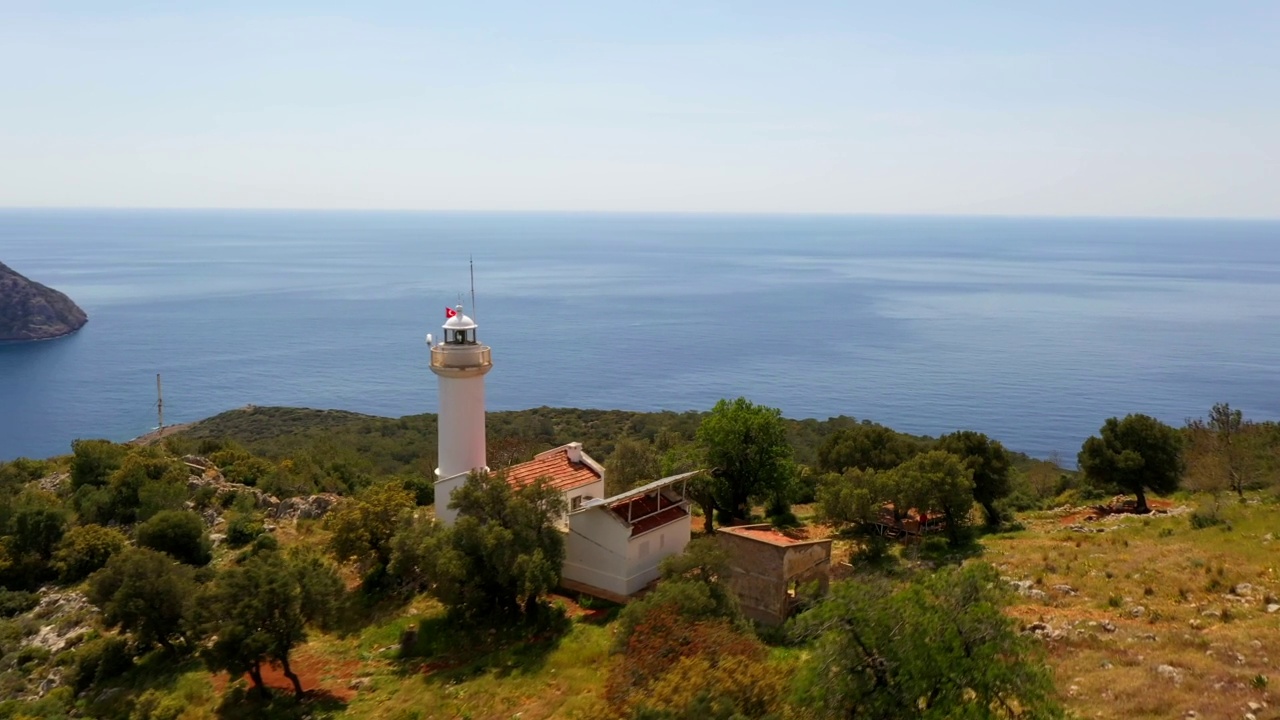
(461, 363)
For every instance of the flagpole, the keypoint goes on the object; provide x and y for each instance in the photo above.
(471, 260)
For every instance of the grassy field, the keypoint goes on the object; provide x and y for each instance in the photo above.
(1152, 618)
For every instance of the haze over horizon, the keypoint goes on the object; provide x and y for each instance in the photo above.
(1151, 109)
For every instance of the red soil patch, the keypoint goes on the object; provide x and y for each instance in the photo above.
(311, 669)
(1091, 514)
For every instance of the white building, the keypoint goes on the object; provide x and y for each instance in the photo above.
(615, 545)
(461, 363)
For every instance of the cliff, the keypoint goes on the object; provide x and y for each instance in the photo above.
(31, 311)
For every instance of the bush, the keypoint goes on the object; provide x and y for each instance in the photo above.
(154, 705)
(1203, 518)
(98, 661)
(242, 529)
(16, 602)
(84, 549)
(178, 533)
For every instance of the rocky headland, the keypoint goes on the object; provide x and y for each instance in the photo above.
(31, 311)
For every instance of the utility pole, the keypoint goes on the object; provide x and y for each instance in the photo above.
(159, 406)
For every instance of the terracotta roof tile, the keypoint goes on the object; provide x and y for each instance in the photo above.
(649, 512)
(554, 465)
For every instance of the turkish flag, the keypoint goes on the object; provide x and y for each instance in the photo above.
(449, 312)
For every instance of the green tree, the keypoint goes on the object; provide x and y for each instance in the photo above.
(503, 553)
(934, 482)
(86, 549)
(1134, 455)
(865, 446)
(940, 647)
(256, 613)
(854, 498)
(694, 583)
(363, 528)
(32, 526)
(93, 461)
(145, 593)
(989, 464)
(747, 444)
(631, 464)
(180, 533)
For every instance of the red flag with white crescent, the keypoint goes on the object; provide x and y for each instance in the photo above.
(449, 312)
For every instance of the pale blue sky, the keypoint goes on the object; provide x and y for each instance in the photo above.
(1021, 108)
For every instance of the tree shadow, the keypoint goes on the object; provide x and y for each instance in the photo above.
(240, 703)
(357, 610)
(446, 650)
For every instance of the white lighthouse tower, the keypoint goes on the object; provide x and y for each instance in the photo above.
(461, 363)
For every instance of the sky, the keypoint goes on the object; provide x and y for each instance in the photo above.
(1029, 107)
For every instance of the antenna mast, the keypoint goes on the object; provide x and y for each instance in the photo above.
(471, 260)
(159, 406)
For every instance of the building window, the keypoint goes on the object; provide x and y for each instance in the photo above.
(575, 503)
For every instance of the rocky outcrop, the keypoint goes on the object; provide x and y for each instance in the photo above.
(306, 508)
(31, 311)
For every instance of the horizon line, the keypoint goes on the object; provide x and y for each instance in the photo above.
(652, 213)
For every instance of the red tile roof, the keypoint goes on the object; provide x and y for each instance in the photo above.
(648, 512)
(771, 535)
(555, 467)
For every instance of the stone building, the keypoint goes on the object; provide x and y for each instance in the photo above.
(772, 570)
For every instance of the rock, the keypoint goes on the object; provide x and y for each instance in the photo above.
(1149, 637)
(217, 538)
(54, 483)
(1037, 594)
(58, 614)
(31, 311)
(108, 695)
(360, 683)
(1255, 706)
(1065, 589)
(1138, 611)
(49, 683)
(1108, 626)
(1250, 716)
(1170, 672)
(306, 508)
(1273, 608)
(1211, 614)
(1191, 715)
(1195, 624)
(1243, 590)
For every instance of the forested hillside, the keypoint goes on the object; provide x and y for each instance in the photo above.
(285, 563)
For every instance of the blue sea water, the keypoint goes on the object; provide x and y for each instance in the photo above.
(1031, 330)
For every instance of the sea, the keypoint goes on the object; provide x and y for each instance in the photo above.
(1033, 331)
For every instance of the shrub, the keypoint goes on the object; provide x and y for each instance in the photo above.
(16, 602)
(99, 660)
(179, 533)
(242, 529)
(84, 549)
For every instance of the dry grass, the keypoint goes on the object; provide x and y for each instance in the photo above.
(1152, 592)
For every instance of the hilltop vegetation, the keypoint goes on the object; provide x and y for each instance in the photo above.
(141, 582)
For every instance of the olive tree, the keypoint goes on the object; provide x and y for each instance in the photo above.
(1133, 455)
